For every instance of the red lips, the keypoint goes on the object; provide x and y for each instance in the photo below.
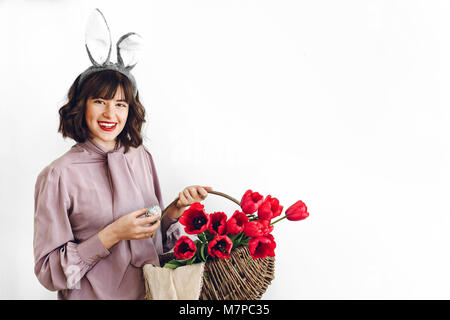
(107, 128)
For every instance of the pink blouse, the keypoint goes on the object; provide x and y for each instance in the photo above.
(79, 194)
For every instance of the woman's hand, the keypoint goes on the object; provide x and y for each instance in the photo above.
(192, 194)
(188, 196)
(129, 227)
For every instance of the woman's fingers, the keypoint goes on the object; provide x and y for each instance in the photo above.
(203, 193)
(148, 220)
(139, 212)
(199, 193)
(182, 202)
(189, 197)
(147, 232)
(193, 192)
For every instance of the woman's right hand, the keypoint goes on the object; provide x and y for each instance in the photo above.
(129, 227)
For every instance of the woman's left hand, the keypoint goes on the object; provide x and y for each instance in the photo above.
(192, 194)
(185, 198)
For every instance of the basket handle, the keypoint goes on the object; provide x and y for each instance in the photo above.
(211, 191)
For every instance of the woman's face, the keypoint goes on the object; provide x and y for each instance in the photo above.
(106, 118)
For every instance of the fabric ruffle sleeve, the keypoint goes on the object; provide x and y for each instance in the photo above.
(170, 231)
(60, 260)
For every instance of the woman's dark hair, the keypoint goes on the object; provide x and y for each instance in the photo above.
(102, 84)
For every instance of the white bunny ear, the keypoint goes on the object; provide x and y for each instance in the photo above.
(128, 48)
(98, 38)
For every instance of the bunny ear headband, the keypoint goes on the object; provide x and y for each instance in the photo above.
(99, 45)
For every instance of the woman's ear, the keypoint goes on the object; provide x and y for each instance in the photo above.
(128, 48)
(98, 39)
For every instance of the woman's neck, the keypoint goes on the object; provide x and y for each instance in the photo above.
(108, 145)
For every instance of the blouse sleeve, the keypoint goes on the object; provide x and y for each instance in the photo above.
(170, 230)
(60, 260)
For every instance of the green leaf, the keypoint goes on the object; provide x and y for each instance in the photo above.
(197, 252)
(173, 264)
(202, 237)
(245, 240)
(238, 240)
(202, 252)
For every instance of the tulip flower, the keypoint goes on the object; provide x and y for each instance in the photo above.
(297, 211)
(237, 222)
(218, 223)
(220, 247)
(257, 228)
(251, 201)
(261, 247)
(269, 208)
(185, 248)
(195, 220)
(250, 226)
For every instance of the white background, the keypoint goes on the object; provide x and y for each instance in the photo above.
(342, 104)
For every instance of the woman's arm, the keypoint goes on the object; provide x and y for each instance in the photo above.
(173, 212)
(60, 261)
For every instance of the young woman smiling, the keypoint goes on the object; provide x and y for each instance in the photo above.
(90, 237)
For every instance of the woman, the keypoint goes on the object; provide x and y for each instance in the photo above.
(91, 238)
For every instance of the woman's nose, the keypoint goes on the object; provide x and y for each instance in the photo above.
(109, 110)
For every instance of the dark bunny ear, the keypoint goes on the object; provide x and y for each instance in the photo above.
(128, 48)
(98, 39)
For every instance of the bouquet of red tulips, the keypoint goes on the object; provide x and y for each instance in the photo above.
(217, 235)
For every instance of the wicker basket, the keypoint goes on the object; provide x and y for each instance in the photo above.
(239, 277)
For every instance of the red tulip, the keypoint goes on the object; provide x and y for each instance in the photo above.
(262, 247)
(220, 247)
(195, 219)
(257, 228)
(237, 222)
(251, 201)
(185, 248)
(218, 223)
(298, 211)
(269, 208)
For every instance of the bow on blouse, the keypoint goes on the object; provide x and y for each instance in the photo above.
(127, 197)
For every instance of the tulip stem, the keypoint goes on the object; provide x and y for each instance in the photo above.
(278, 220)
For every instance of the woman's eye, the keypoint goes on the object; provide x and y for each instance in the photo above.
(122, 105)
(98, 101)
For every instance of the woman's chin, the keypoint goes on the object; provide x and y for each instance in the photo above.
(105, 140)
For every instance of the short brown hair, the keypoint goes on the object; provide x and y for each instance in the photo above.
(72, 119)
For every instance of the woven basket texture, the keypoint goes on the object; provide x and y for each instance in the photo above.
(236, 278)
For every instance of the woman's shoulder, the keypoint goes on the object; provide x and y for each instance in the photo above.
(70, 157)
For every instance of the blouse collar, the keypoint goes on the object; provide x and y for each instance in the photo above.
(92, 146)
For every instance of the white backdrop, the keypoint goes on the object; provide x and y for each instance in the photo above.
(342, 104)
